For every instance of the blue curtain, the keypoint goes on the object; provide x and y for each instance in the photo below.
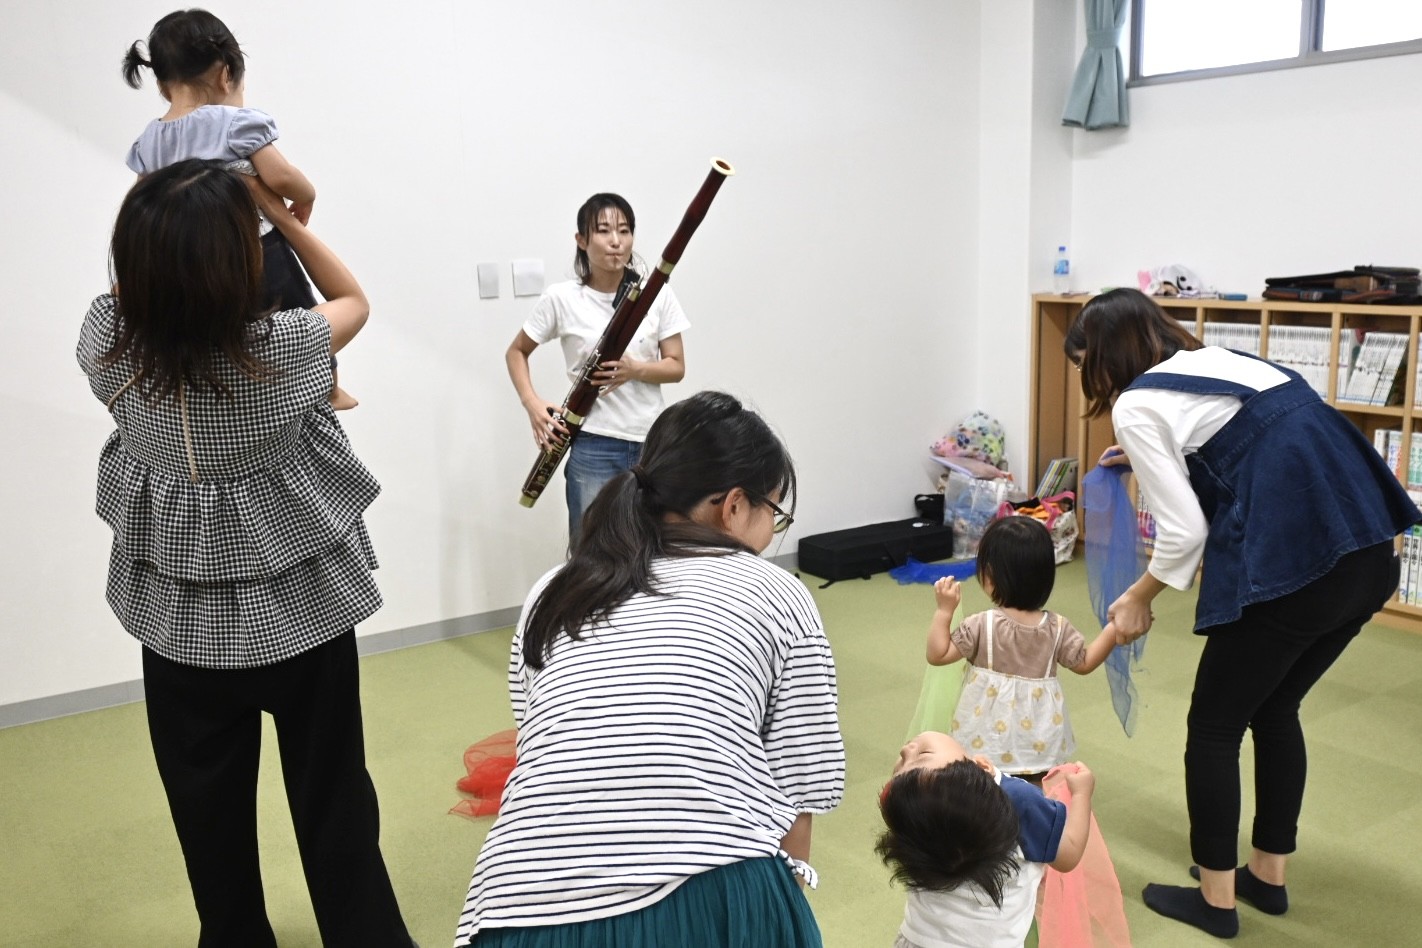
(1098, 91)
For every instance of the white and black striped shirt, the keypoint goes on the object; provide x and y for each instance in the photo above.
(684, 734)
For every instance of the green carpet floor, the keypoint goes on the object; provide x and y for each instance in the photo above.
(89, 856)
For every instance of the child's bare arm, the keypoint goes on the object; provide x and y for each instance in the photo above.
(1077, 833)
(285, 179)
(346, 308)
(941, 650)
(1098, 651)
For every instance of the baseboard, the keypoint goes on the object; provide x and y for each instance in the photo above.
(127, 692)
(411, 636)
(71, 702)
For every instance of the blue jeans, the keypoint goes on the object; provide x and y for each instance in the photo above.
(592, 462)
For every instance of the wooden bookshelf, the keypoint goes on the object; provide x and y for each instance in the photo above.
(1059, 430)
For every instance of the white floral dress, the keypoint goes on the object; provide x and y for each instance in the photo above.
(1020, 724)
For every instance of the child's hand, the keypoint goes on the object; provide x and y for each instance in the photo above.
(301, 210)
(948, 593)
(1081, 780)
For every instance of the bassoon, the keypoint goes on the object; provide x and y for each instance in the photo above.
(618, 334)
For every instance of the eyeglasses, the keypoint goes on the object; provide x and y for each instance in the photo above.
(782, 519)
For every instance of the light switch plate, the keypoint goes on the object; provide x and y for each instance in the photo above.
(488, 281)
(527, 277)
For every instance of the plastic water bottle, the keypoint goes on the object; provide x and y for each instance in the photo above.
(1061, 272)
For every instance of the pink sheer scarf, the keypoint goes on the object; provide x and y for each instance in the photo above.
(1081, 908)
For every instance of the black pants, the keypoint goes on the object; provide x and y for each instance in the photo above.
(206, 730)
(1255, 673)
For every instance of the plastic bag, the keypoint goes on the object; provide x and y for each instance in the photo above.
(1115, 558)
(970, 504)
(1057, 513)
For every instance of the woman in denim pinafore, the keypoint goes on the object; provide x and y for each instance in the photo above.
(1289, 513)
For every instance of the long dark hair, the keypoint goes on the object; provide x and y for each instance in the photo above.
(948, 827)
(182, 47)
(187, 262)
(698, 449)
(1016, 554)
(588, 216)
(1117, 336)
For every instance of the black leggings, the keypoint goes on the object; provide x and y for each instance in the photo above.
(1254, 673)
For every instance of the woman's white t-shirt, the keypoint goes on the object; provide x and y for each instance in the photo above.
(576, 315)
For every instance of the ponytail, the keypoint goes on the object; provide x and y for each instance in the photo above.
(696, 449)
(183, 46)
(132, 62)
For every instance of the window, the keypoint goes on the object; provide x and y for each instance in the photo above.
(1189, 39)
(1358, 23)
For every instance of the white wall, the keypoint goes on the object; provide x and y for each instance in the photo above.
(440, 135)
(1246, 177)
(1024, 189)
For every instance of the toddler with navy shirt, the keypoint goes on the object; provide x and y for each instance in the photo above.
(972, 844)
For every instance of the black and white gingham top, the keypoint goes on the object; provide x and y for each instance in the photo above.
(686, 734)
(238, 531)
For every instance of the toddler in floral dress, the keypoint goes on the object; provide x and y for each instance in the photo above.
(1010, 708)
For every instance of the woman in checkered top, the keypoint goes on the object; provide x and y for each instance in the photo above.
(240, 559)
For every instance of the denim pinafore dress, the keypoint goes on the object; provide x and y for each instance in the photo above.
(1019, 724)
(1288, 486)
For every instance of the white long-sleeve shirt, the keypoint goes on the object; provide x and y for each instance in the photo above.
(1158, 428)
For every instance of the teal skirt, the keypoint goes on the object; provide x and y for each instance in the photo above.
(755, 903)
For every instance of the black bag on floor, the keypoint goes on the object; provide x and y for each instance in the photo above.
(862, 551)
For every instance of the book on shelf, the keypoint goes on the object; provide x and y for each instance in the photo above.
(1363, 376)
(1388, 442)
(1377, 365)
(1243, 337)
(1415, 567)
(1348, 342)
(1392, 377)
(1305, 350)
(1410, 588)
(1405, 587)
(1060, 475)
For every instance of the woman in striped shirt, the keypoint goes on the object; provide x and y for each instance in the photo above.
(677, 713)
